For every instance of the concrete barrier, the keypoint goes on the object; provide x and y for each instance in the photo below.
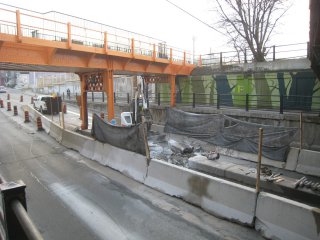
(217, 196)
(56, 132)
(88, 147)
(309, 162)
(292, 159)
(280, 218)
(129, 163)
(74, 140)
(46, 123)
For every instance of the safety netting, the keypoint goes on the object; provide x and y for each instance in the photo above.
(129, 138)
(228, 132)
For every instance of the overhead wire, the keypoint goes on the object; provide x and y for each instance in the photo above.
(193, 16)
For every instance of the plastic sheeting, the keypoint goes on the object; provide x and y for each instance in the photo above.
(129, 138)
(231, 133)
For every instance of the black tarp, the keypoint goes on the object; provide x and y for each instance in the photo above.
(129, 138)
(232, 133)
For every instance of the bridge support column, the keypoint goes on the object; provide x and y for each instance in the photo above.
(84, 105)
(108, 83)
(172, 81)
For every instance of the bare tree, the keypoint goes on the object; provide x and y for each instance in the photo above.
(250, 23)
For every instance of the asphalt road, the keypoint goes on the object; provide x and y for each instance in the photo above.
(71, 197)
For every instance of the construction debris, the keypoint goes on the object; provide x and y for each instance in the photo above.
(266, 171)
(300, 181)
(177, 147)
(212, 155)
(304, 182)
(275, 178)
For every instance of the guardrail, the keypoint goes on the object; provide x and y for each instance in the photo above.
(15, 221)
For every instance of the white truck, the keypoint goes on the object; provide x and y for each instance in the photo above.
(47, 104)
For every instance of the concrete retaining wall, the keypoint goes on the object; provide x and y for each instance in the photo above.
(217, 196)
(280, 218)
(309, 162)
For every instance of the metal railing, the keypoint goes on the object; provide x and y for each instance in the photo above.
(59, 27)
(15, 221)
(276, 52)
(247, 102)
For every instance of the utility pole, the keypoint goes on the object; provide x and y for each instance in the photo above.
(193, 48)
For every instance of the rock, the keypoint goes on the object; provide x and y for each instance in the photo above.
(177, 147)
(198, 158)
(212, 155)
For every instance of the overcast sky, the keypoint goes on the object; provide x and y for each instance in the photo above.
(159, 19)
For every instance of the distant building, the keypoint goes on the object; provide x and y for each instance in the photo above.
(51, 82)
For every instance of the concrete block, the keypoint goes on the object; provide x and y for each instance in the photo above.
(88, 148)
(46, 123)
(249, 156)
(74, 140)
(280, 218)
(292, 159)
(56, 132)
(99, 153)
(309, 162)
(216, 168)
(129, 163)
(217, 196)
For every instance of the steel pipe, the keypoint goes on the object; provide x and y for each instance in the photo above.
(26, 223)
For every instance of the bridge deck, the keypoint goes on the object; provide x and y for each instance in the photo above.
(42, 42)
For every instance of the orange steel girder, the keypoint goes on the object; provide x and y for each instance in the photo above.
(108, 82)
(86, 86)
(84, 104)
(21, 50)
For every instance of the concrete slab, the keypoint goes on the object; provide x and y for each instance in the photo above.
(216, 167)
(309, 162)
(249, 156)
(292, 159)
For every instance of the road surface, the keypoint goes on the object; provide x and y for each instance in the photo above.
(71, 197)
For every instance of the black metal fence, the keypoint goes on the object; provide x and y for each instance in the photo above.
(247, 102)
(272, 53)
(99, 97)
(279, 103)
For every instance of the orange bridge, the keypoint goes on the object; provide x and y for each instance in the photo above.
(55, 42)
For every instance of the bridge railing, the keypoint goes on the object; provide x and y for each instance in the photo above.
(276, 52)
(55, 26)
